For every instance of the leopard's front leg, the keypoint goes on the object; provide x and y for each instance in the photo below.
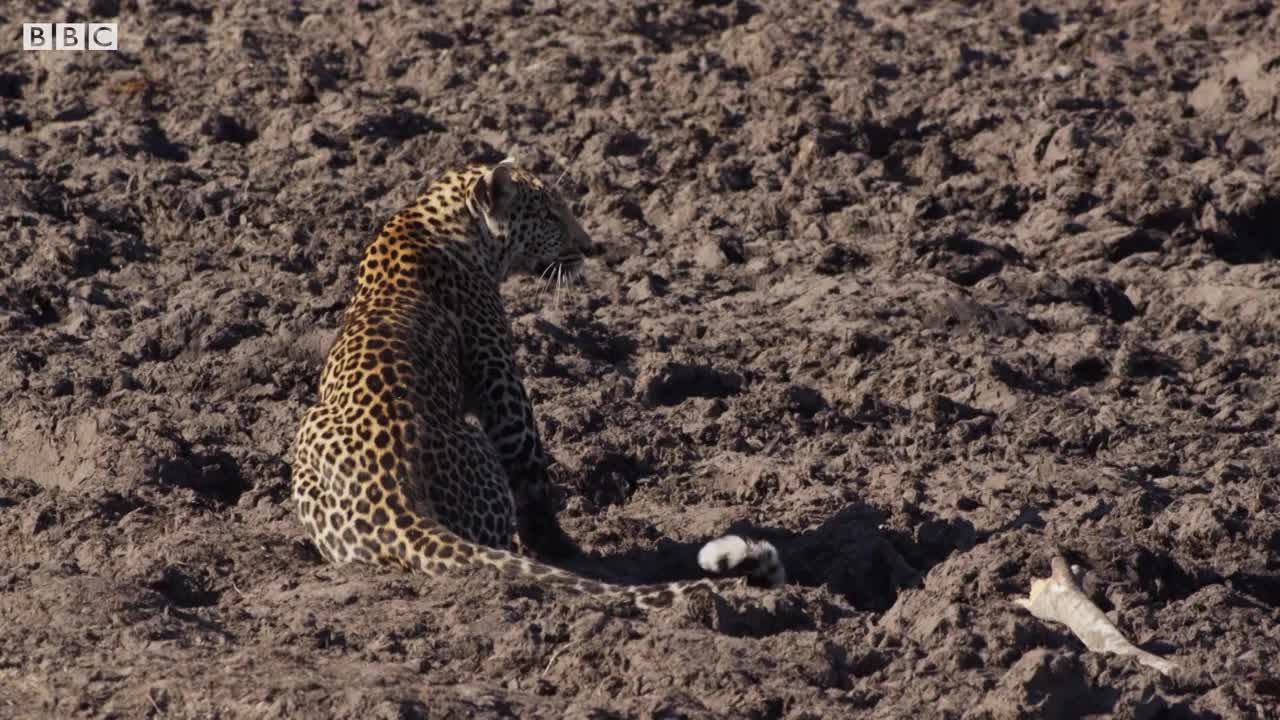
(498, 397)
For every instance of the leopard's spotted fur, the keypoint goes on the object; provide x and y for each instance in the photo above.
(387, 468)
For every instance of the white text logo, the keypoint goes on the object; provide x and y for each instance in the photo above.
(69, 36)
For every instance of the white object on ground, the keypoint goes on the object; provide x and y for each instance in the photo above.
(730, 551)
(1058, 598)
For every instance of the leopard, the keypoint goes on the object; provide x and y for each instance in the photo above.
(422, 452)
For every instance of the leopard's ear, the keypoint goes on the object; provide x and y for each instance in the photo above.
(495, 188)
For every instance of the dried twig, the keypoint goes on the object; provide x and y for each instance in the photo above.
(1058, 598)
(554, 656)
(151, 698)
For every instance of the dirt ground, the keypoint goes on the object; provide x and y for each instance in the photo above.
(918, 292)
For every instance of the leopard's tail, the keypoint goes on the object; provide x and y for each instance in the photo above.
(431, 548)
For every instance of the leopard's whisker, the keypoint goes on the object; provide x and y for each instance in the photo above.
(544, 280)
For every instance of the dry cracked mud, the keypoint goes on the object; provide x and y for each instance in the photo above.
(919, 291)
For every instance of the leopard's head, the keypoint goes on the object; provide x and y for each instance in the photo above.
(536, 230)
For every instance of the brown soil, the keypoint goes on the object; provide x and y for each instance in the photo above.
(917, 292)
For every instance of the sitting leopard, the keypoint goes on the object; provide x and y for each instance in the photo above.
(387, 466)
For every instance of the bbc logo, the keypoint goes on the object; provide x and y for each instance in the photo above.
(69, 36)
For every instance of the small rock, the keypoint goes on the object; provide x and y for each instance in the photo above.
(1066, 146)
(733, 250)
(709, 256)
